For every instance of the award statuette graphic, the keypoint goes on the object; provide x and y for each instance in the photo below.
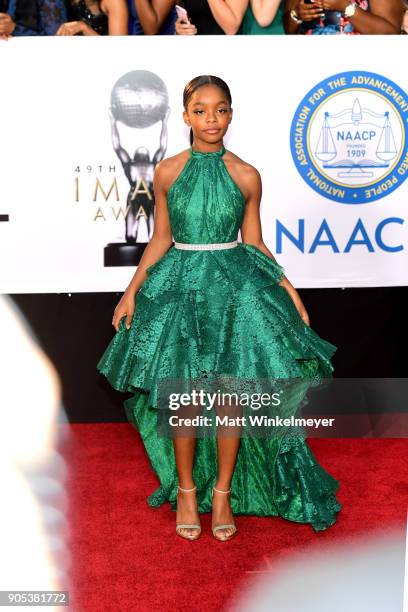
(139, 99)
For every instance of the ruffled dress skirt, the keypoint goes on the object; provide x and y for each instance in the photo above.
(222, 313)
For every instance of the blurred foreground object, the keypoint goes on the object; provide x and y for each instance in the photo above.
(33, 529)
(363, 575)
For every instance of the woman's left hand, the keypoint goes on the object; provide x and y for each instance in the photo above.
(71, 28)
(296, 299)
(303, 314)
(300, 307)
(185, 29)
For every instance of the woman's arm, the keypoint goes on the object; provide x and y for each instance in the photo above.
(158, 246)
(265, 11)
(118, 16)
(382, 18)
(251, 233)
(161, 239)
(228, 13)
(404, 27)
(152, 13)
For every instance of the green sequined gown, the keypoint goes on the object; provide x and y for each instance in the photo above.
(221, 311)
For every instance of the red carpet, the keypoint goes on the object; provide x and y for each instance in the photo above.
(126, 555)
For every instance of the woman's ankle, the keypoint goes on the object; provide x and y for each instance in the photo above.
(223, 485)
(186, 485)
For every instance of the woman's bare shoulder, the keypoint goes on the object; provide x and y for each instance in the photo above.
(244, 174)
(169, 168)
(248, 170)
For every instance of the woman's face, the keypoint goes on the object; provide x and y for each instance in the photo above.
(208, 113)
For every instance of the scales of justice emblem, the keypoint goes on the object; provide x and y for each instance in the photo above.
(139, 99)
(355, 145)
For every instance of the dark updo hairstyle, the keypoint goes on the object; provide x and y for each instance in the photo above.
(199, 81)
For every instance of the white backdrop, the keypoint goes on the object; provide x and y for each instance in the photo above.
(54, 118)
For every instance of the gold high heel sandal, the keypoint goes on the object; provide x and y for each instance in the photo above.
(193, 536)
(219, 527)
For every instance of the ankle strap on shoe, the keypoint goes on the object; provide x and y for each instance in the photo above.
(186, 490)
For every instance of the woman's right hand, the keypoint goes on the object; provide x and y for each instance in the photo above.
(125, 308)
(72, 28)
(185, 29)
(7, 25)
(308, 12)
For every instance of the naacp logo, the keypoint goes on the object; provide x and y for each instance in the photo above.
(349, 137)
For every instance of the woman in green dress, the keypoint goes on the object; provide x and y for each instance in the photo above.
(207, 311)
(263, 17)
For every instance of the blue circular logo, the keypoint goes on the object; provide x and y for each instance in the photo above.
(349, 137)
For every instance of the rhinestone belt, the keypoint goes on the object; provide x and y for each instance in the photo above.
(205, 247)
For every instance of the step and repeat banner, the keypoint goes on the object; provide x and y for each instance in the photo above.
(85, 121)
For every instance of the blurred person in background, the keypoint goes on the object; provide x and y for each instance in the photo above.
(212, 17)
(343, 17)
(263, 17)
(152, 17)
(95, 18)
(31, 17)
